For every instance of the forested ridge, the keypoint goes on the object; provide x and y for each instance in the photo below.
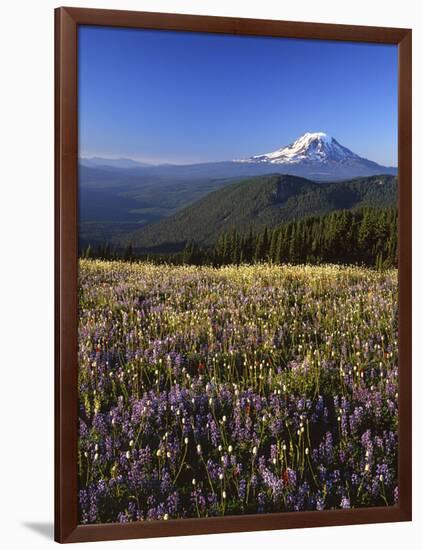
(256, 203)
(365, 236)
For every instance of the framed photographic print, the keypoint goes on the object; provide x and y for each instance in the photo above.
(233, 275)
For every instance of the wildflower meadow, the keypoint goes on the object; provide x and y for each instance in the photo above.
(210, 391)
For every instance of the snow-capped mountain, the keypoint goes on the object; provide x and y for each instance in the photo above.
(317, 156)
(311, 147)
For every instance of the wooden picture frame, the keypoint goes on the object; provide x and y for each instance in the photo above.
(67, 20)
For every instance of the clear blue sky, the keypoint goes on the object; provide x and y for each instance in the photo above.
(162, 96)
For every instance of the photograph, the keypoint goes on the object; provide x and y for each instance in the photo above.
(237, 301)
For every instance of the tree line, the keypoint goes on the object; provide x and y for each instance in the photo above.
(364, 236)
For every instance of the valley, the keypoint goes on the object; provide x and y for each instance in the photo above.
(163, 209)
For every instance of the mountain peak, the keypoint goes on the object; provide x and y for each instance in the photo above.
(316, 135)
(312, 147)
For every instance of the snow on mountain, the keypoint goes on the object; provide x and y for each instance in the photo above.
(311, 147)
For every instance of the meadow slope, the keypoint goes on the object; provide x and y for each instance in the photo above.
(242, 389)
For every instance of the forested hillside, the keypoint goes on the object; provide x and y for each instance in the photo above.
(364, 236)
(256, 203)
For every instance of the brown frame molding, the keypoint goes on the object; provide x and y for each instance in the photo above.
(66, 151)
